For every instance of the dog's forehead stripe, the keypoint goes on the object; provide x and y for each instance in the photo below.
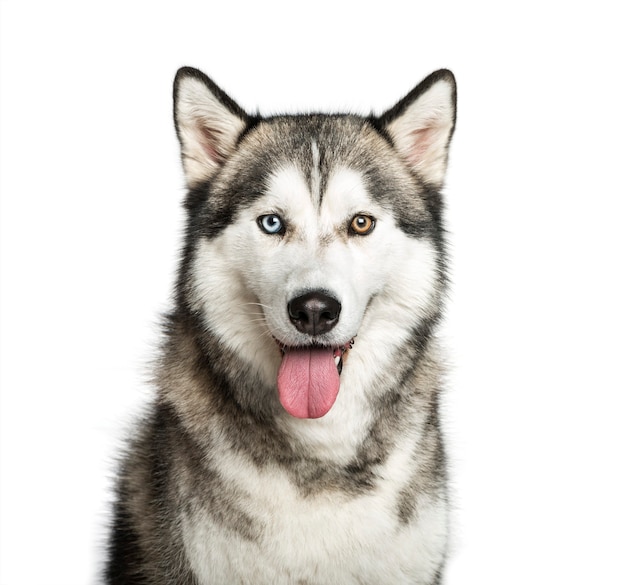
(316, 177)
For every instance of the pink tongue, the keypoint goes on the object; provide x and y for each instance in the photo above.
(308, 381)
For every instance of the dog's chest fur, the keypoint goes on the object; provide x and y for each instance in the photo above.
(287, 536)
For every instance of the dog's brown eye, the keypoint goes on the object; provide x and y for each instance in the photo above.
(362, 225)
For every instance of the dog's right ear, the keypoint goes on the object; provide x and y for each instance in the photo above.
(208, 124)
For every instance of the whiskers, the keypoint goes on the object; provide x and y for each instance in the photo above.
(261, 305)
(255, 314)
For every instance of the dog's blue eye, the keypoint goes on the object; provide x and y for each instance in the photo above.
(271, 224)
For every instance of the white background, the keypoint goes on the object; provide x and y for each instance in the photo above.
(91, 222)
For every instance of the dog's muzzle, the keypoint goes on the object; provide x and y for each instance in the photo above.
(308, 377)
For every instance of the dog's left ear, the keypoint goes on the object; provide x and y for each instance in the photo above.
(421, 125)
(208, 124)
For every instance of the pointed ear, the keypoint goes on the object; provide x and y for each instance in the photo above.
(421, 125)
(208, 124)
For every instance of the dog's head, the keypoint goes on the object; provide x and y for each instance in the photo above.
(308, 234)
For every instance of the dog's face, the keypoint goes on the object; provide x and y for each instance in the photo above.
(313, 232)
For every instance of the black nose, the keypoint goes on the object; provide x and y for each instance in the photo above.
(314, 313)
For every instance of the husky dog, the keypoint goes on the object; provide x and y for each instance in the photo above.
(295, 436)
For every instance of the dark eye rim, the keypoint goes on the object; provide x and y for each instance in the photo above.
(280, 232)
(370, 227)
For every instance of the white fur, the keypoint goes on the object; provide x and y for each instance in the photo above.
(320, 539)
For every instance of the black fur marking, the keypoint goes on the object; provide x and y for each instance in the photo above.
(430, 469)
(438, 578)
(125, 556)
(145, 546)
(210, 493)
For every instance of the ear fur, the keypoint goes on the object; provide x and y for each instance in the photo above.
(208, 124)
(421, 125)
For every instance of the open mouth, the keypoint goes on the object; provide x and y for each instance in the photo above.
(308, 378)
(337, 352)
